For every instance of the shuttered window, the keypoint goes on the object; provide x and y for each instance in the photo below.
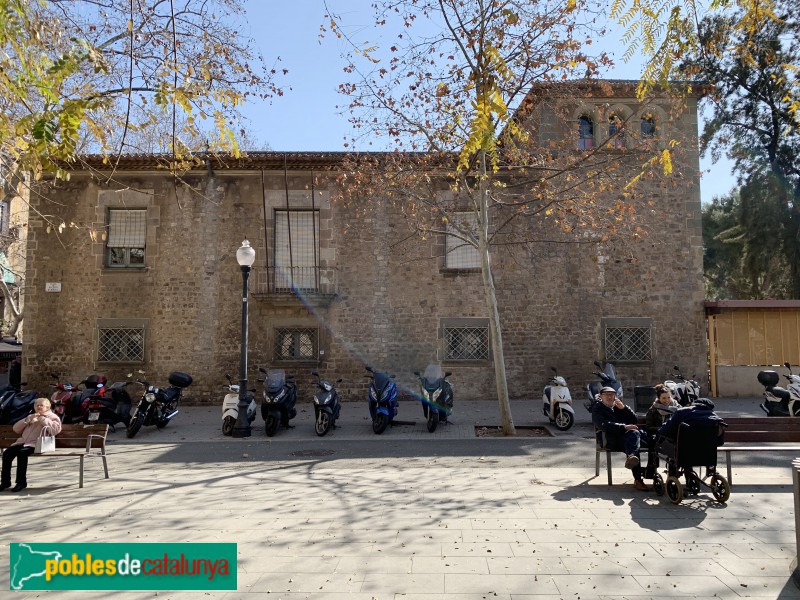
(127, 234)
(296, 249)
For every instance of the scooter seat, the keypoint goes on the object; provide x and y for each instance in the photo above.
(779, 392)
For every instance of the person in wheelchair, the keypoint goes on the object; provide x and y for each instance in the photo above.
(687, 440)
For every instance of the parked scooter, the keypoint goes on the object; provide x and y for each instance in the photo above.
(557, 402)
(110, 405)
(280, 396)
(608, 377)
(436, 395)
(61, 400)
(158, 406)
(326, 405)
(683, 391)
(16, 405)
(780, 402)
(230, 407)
(382, 400)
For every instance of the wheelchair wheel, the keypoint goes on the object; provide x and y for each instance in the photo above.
(674, 489)
(720, 488)
(658, 485)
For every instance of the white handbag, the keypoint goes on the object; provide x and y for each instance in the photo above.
(46, 442)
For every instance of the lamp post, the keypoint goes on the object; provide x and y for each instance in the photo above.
(245, 256)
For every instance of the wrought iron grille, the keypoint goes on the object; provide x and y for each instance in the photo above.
(628, 344)
(296, 343)
(121, 344)
(467, 343)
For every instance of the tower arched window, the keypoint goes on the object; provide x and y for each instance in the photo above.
(648, 127)
(585, 133)
(615, 133)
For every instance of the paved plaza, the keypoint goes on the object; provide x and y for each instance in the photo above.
(414, 516)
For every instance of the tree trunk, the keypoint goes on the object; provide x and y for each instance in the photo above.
(11, 307)
(491, 303)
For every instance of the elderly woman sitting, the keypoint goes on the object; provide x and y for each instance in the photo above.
(29, 429)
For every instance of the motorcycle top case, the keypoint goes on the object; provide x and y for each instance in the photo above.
(180, 379)
(768, 378)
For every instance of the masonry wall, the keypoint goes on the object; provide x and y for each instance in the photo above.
(386, 294)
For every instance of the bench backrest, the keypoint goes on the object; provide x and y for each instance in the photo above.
(71, 436)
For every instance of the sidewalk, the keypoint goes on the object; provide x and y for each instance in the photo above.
(397, 519)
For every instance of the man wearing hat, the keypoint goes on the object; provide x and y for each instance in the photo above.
(619, 423)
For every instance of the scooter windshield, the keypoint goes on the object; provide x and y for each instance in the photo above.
(381, 380)
(275, 379)
(610, 371)
(432, 376)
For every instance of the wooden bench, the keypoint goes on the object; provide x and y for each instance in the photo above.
(784, 431)
(73, 440)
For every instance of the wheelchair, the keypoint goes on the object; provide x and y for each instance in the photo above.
(694, 447)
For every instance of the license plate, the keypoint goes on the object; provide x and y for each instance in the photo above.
(93, 417)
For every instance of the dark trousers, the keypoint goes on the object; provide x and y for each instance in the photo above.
(21, 453)
(634, 440)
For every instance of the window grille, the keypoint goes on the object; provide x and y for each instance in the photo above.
(467, 342)
(585, 133)
(296, 263)
(461, 255)
(628, 344)
(127, 234)
(296, 343)
(121, 344)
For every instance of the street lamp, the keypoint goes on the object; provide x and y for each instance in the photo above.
(245, 256)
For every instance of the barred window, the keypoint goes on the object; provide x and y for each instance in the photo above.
(628, 342)
(127, 233)
(466, 339)
(296, 343)
(460, 254)
(121, 344)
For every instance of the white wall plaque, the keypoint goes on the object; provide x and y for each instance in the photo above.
(52, 287)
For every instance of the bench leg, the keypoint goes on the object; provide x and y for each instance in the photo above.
(80, 480)
(608, 466)
(105, 464)
(728, 464)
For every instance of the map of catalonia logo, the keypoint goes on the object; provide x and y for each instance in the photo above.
(122, 567)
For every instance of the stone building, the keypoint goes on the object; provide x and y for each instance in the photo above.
(143, 275)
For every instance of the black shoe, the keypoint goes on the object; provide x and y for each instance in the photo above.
(4, 486)
(19, 487)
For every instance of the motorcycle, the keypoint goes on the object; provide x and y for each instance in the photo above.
(326, 405)
(111, 405)
(557, 402)
(436, 395)
(382, 400)
(780, 402)
(608, 377)
(230, 407)
(158, 406)
(61, 400)
(280, 396)
(15, 404)
(683, 391)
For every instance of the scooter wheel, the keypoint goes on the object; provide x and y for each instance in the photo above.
(271, 425)
(323, 423)
(720, 488)
(380, 423)
(564, 420)
(433, 420)
(228, 424)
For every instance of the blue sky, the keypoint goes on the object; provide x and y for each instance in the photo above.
(308, 117)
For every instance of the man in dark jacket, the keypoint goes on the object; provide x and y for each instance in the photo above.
(618, 422)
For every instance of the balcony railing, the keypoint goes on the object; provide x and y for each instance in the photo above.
(305, 281)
